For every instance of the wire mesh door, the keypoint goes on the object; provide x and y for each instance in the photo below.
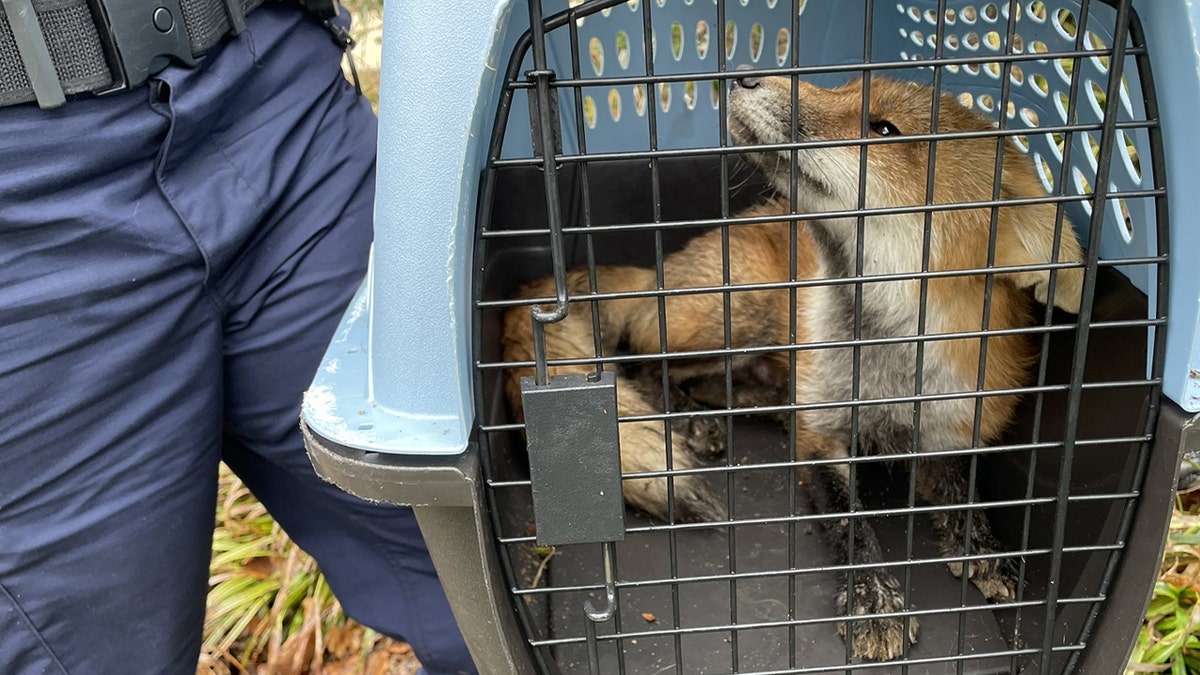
(879, 288)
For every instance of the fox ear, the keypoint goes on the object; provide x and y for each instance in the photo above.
(1032, 243)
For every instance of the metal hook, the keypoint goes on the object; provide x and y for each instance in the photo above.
(610, 590)
(539, 352)
(542, 75)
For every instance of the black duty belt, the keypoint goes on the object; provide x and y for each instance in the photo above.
(53, 48)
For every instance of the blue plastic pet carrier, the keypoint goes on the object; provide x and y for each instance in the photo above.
(522, 140)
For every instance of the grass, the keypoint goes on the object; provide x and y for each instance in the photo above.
(270, 609)
(1169, 640)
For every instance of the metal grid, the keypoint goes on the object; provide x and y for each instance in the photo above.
(1058, 487)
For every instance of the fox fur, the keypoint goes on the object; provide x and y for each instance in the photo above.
(826, 180)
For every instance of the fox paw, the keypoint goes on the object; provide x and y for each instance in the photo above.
(995, 578)
(879, 639)
(704, 436)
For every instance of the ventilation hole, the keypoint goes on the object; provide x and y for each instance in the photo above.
(677, 40)
(689, 95)
(1125, 96)
(714, 94)
(992, 69)
(730, 39)
(783, 45)
(968, 14)
(623, 49)
(1065, 68)
(1101, 63)
(661, 2)
(986, 102)
(952, 41)
(653, 44)
(1093, 150)
(1062, 102)
(1018, 44)
(1044, 173)
(966, 99)
(1064, 22)
(745, 2)
(702, 38)
(589, 111)
(1010, 111)
(1126, 221)
(931, 40)
(914, 14)
(614, 104)
(951, 16)
(1017, 75)
(952, 67)
(1029, 116)
(639, 99)
(596, 52)
(800, 5)
(990, 12)
(1004, 11)
(1082, 188)
(606, 11)
(1040, 84)
(1129, 155)
(633, 5)
(1096, 43)
(664, 95)
(688, 2)
(756, 41)
(1037, 10)
(1022, 143)
(770, 3)
(971, 68)
(1097, 97)
(1038, 47)
(1057, 143)
(573, 4)
(992, 40)
(918, 38)
(931, 17)
(971, 40)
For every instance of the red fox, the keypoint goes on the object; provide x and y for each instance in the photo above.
(826, 179)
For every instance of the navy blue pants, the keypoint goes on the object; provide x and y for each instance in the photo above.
(173, 262)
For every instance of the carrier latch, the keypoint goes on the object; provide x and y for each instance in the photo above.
(574, 458)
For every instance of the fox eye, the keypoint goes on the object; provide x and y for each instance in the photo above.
(884, 128)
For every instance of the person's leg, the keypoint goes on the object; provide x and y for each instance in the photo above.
(110, 357)
(287, 247)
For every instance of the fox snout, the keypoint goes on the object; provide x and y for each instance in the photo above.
(760, 110)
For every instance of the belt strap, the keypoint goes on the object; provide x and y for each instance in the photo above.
(85, 53)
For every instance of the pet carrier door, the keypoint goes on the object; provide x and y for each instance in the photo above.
(885, 391)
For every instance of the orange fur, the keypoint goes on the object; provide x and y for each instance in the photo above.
(824, 180)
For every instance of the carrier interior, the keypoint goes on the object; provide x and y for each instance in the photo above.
(690, 189)
(756, 594)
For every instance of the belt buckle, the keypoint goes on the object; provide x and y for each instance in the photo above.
(141, 38)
